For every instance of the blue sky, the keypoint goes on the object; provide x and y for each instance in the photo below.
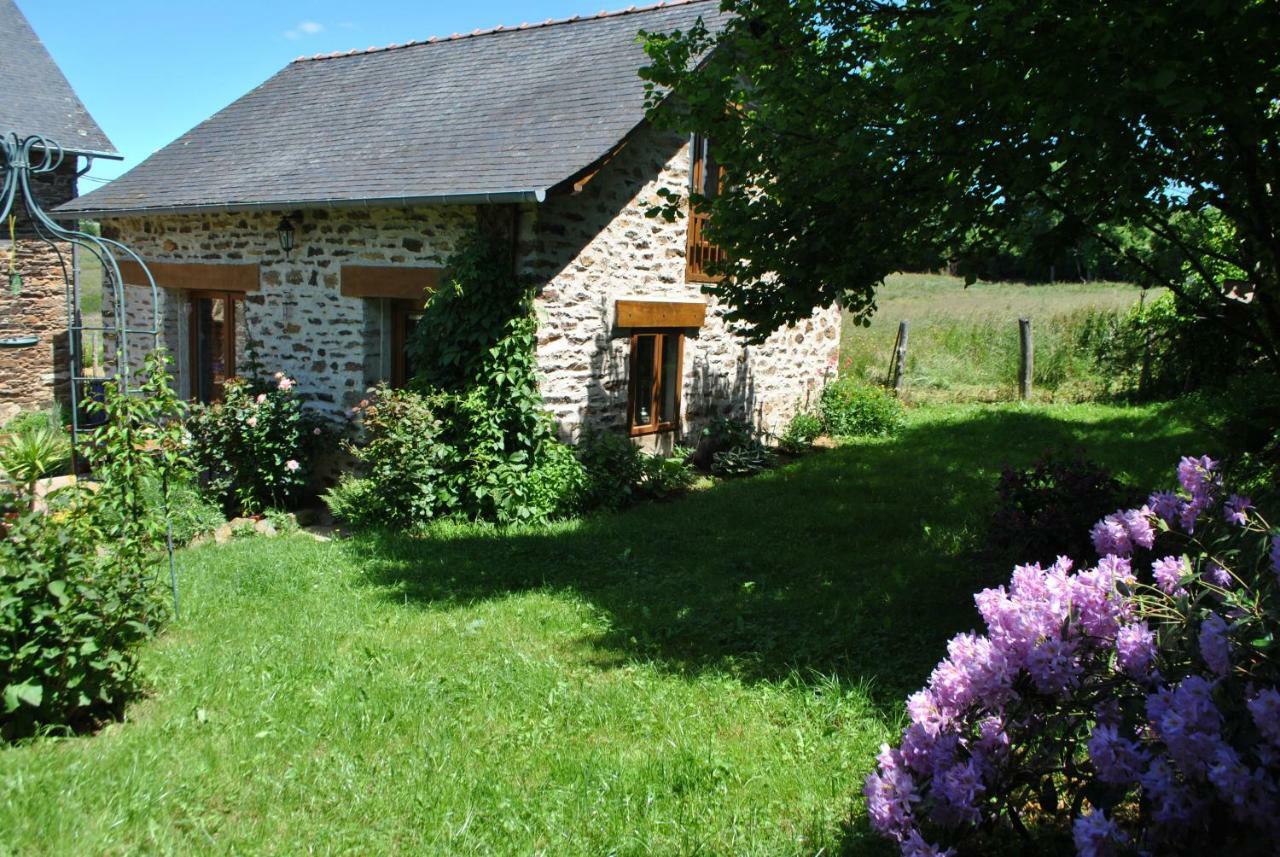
(149, 70)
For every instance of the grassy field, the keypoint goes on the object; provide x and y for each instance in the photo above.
(963, 342)
(708, 676)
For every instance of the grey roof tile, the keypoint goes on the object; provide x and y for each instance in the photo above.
(35, 97)
(499, 112)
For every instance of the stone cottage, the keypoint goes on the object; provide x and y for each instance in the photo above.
(312, 216)
(37, 100)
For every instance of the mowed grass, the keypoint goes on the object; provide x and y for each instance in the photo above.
(963, 342)
(707, 676)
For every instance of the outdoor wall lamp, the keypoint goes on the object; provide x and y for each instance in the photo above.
(286, 231)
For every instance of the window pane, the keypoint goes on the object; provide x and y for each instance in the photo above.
(212, 363)
(670, 378)
(710, 172)
(642, 366)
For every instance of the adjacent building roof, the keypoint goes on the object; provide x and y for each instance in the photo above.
(493, 116)
(35, 97)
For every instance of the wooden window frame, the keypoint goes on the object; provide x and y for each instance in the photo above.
(699, 252)
(228, 336)
(655, 426)
(400, 311)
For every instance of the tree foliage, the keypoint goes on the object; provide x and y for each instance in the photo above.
(859, 136)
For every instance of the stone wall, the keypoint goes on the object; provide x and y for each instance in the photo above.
(34, 377)
(302, 323)
(589, 250)
(597, 247)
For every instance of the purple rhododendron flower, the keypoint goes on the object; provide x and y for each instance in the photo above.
(1169, 573)
(1215, 645)
(1166, 505)
(1218, 576)
(1135, 648)
(1120, 532)
(957, 790)
(1265, 709)
(1190, 724)
(1173, 804)
(1095, 835)
(914, 845)
(1118, 760)
(890, 796)
(1054, 665)
(1198, 476)
(1237, 509)
(1110, 537)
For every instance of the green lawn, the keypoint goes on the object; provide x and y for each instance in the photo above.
(708, 676)
(963, 342)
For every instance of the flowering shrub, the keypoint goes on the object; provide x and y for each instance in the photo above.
(1133, 708)
(258, 443)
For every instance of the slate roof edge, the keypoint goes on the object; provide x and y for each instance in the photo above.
(496, 198)
(499, 30)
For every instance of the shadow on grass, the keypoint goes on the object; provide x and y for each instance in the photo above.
(858, 563)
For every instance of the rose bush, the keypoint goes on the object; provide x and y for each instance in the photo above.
(1130, 707)
(258, 444)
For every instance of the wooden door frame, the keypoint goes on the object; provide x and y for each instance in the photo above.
(228, 335)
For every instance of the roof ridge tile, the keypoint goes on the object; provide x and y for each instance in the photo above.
(502, 29)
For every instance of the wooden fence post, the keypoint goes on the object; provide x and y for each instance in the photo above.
(1026, 367)
(900, 358)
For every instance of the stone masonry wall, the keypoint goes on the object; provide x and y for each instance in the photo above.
(598, 247)
(304, 326)
(34, 377)
(589, 249)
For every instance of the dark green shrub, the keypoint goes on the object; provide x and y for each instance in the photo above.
(1046, 510)
(447, 455)
(411, 473)
(615, 467)
(192, 512)
(68, 624)
(800, 433)
(850, 409)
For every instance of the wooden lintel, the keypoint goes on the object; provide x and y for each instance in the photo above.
(661, 313)
(389, 281)
(203, 276)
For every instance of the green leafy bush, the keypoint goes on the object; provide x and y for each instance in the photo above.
(258, 444)
(668, 476)
(615, 468)
(850, 409)
(801, 432)
(78, 585)
(68, 623)
(354, 501)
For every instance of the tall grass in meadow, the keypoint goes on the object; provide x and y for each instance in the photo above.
(963, 342)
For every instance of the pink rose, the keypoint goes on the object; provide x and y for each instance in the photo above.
(252, 421)
(291, 465)
(316, 432)
(262, 397)
(286, 384)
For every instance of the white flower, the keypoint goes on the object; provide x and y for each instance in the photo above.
(292, 466)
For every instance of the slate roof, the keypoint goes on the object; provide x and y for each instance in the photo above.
(493, 116)
(35, 97)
